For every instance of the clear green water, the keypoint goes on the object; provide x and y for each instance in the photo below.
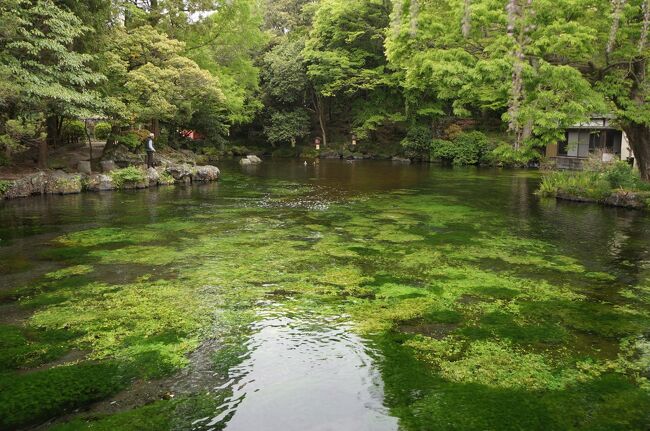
(341, 296)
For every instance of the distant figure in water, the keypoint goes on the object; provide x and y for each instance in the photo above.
(150, 150)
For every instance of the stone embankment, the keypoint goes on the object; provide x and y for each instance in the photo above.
(111, 178)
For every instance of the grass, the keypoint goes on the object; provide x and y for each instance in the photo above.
(128, 175)
(596, 184)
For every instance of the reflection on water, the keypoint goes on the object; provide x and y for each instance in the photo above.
(302, 373)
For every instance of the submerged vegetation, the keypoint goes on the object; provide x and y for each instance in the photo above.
(477, 326)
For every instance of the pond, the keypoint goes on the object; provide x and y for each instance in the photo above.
(325, 296)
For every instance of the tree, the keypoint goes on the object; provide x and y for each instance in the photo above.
(287, 127)
(37, 55)
(345, 62)
(150, 81)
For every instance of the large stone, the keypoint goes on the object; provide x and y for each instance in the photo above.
(99, 182)
(21, 188)
(245, 162)
(107, 166)
(60, 183)
(401, 159)
(206, 173)
(181, 172)
(84, 167)
(123, 156)
(154, 177)
(254, 159)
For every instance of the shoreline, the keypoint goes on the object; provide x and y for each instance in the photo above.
(59, 182)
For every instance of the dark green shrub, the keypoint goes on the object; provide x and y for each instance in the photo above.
(73, 131)
(417, 143)
(128, 175)
(506, 155)
(584, 184)
(130, 140)
(308, 153)
(466, 149)
(284, 153)
(102, 130)
(622, 175)
(4, 186)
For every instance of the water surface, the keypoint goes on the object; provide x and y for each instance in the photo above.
(327, 296)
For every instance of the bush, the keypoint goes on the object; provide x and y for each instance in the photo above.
(103, 130)
(593, 184)
(579, 184)
(467, 149)
(308, 153)
(621, 175)
(73, 131)
(417, 143)
(131, 175)
(130, 140)
(505, 155)
(4, 186)
(284, 153)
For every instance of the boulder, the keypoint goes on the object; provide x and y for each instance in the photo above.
(154, 176)
(60, 183)
(181, 172)
(625, 199)
(99, 182)
(21, 188)
(401, 159)
(123, 156)
(254, 159)
(84, 167)
(206, 173)
(245, 162)
(108, 165)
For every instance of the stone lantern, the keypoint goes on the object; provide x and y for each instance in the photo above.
(317, 143)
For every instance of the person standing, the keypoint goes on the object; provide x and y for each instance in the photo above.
(150, 150)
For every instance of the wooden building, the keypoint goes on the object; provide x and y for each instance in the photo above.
(598, 136)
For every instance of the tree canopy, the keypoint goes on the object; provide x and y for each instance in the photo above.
(291, 69)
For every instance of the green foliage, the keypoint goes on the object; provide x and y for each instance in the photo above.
(287, 127)
(418, 141)
(284, 153)
(73, 132)
(129, 175)
(33, 397)
(466, 149)
(102, 130)
(505, 155)
(586, 184)
(283, 75)
(38, 59)
(4, 186)
(596, 184)
(621, 175)
(130, 140)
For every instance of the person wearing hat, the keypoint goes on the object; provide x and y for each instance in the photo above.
(150, 150)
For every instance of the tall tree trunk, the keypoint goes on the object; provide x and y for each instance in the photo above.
(319, 109)
(414, 11)
(643, 40)
(617, 13)
(155, 127)
(90, 143)
(51, 139)
(467, 19)
(518, 33)
(639, 136)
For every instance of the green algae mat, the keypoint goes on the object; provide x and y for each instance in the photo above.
(335, 296)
